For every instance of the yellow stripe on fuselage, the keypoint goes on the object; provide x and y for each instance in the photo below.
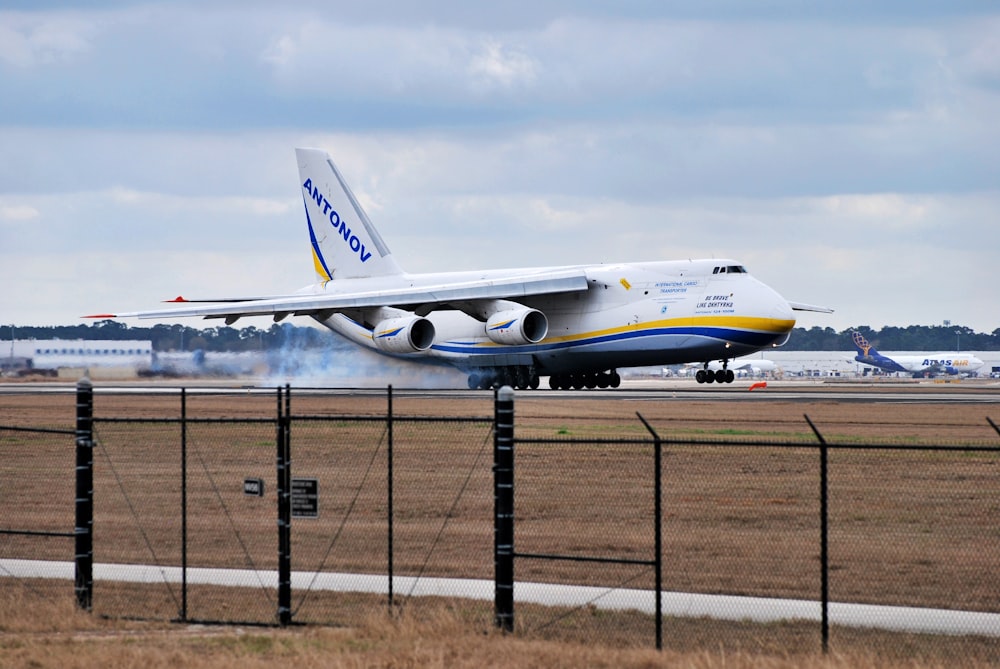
(734, 322)
(750, 323)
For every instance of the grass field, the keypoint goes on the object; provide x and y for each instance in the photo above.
(908, 527)
(43, 633)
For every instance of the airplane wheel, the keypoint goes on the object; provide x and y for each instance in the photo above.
(603, 380)
(700, 376)
(534, 381)
(521, 377)
(730, 375)
(591, 381)
(475, 382)
(709, 376)
(554, 382)
(489, 379)
(576, 381)
(616, 379)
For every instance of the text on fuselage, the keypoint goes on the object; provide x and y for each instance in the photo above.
(716, 302)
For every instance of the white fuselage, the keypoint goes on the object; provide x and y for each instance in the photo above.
(631, 315)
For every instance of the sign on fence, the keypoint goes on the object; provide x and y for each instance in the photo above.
(253, 487)
(305, 498)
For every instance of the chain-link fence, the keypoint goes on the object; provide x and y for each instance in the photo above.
(781, 533)
(389, 508)
(37, 503)
(380, 505)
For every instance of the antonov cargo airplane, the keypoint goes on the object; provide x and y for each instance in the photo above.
(575, 324)
(925, 364)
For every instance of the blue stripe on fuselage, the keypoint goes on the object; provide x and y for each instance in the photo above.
(746, 337)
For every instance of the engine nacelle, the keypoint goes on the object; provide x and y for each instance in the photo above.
(406, 334)
(517, 326)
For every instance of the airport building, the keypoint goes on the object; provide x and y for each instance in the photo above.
(70, 358)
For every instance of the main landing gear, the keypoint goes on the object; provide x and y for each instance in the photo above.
(724, 375)
(521, 377)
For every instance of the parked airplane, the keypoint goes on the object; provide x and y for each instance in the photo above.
(925, 364)
(577, 324)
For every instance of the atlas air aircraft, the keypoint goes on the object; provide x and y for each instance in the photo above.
(925, 364)
(575, 324)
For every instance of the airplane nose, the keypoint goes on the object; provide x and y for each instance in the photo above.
(778, 307)
(779, 312)
(783, 311)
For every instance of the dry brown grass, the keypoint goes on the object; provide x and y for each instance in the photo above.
(44, 633)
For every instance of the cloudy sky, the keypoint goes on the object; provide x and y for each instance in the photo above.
(848, 155)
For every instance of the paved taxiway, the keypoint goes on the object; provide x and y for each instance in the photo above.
(721, 607)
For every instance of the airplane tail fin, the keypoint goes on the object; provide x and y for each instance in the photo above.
(345, 244)
(865, 349)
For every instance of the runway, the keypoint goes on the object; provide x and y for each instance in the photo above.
(981, 391)
(680, 604)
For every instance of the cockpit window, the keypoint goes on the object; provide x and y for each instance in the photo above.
(730, 269)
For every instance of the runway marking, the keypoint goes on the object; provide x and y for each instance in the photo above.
(680, 604)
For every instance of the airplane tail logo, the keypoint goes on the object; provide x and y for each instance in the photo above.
(864, 348)
(345, 244)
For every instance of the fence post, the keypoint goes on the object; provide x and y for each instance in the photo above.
(657, 528)
(503, 508)
(184, 509)
(83, 532)
(389, 500)
(824, 536)
(284, 512)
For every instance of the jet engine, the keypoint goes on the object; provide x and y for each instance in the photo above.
(405, 334)
(517, 326)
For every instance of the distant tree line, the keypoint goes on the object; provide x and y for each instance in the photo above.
(183, 338)
(891, 338)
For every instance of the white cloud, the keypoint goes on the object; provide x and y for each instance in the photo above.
(497, 65)
(17, 212)
(882, 210)
(28, 40)
(206, 207)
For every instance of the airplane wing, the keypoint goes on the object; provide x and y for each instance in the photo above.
(799, 306)
(413, 298)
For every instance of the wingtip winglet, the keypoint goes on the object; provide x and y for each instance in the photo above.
(800, 306)
(101, 316)
(179, 298)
